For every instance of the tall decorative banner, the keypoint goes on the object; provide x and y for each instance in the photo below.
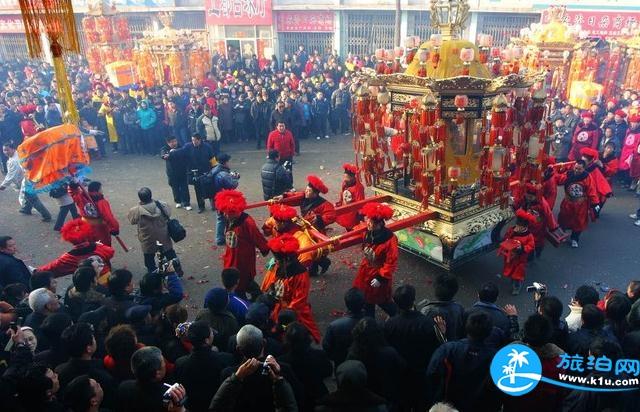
(305, 21)
(598, 23)
(238, 12)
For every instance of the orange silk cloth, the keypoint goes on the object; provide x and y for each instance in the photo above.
(52, 154)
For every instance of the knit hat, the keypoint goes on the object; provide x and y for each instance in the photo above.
(216, 299)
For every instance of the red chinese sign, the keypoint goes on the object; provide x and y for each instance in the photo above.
(598, 23)
(309, 21)
(238, 12)
(11, 24)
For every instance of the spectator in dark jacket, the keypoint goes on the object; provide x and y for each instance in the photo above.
(551, 308)
(12, 269)
(82, 296)
(459, 370)
(414, 336)
(154, 293)
(218, 317)
(247, 388)
(280, 115)
(320, 108)
(121, 299)
(311, 366)
(176, 169)
(200, 371)
(275, 178)
(352, 393)
(260, 113)
(80, 343)
(338, 338)
(145, 393)
(445, 288)
(385, 367)
(198, 155)
(503, 319)
(52, 328)
(592, 327)
(225, 118)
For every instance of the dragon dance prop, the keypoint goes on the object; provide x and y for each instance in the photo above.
(55, 19)
(50, 157)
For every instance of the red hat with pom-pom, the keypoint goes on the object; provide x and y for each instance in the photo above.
(285, 244)
(350, 169)
(282, 212)
(377, 211)
(317, 184)
(589, 152)
(524, 217)
(76, 231)
(230, 202)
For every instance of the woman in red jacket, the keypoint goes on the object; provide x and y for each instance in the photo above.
(518, 243)
(380, 246)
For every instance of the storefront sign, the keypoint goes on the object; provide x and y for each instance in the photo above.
(598, 23)
(238, 12)
(11, 24)
(309, 21)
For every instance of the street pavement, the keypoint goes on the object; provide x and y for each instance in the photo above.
(608, 256)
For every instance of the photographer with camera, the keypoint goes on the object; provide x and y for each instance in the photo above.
(161, 288)
(151, 217)
(259, 384)
(198, 155)
(147, 393)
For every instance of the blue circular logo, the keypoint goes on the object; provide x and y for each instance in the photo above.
(516, 369)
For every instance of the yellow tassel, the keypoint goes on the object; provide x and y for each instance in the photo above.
(69, 111)
(53, 17)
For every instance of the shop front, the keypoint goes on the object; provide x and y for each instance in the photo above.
(243, 28)
(312, 29)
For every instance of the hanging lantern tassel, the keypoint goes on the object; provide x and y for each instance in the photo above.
(56, 19)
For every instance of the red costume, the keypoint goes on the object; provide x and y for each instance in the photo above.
(380, 257)
(584, 136)
(96, 211)
(242, 237)
(515, 264)
(550, 188)
(349, 194)
(288, 281)
(580, 196)
(317, 211)
(78, 232)
(609, 166)
(541, 212)
(630, 147)
(282, 142)
(601, 184)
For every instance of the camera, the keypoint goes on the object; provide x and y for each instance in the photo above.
(539, 288)
(167, 398)
(16, 324)
(264, 368)
(162, 261)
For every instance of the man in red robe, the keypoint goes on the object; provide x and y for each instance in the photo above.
(352, 191)
(284, 219)
(95, 210)
(319, 212)
(380, 261)
(534, 204)
(587, 134)
(580, 197)
(242, 238)
(518, 243)
(590, 157)
(288, 282)
(79, 234)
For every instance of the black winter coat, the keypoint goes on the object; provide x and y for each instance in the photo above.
(413, 335)
(13, 270)
(453, 314)
(197, 158)
(175, 165)
(337, 338)
(275, 179)
(200, 372)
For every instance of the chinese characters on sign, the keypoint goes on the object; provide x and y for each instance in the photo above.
(238, 12)
(309, 21)
(576, 363)
(598, 23)
(11, 24)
